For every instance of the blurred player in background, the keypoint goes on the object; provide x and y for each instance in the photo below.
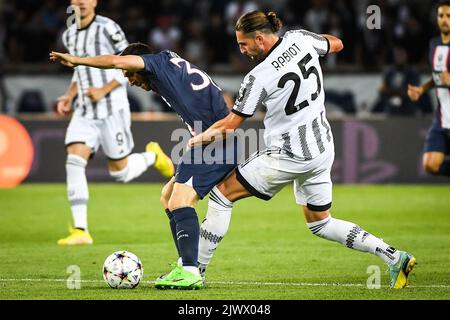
(437, 144)
(195, 97)
(101, 117)
(288, 81)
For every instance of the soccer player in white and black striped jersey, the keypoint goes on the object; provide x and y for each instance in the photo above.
(287, 81)
(101, 116)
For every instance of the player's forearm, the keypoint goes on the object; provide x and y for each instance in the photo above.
(427, 86)
(215, 132)
(129, 63)
(336, 44)
(219, 130)
(111, 86)
(101, 62)
(72, 91)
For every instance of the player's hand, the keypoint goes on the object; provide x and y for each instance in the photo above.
(199, 140)
(445, 78)
(191, 143)
(414, 93)
(64, 105)
(65, 58)
(195, 141)
(95, 94)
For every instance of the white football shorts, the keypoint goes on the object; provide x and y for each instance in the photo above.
(266, 172)
(112, 133)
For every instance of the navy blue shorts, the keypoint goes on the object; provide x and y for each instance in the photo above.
(204, 167)
(438, 140)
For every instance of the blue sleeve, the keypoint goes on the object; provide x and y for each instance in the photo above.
(153, 64)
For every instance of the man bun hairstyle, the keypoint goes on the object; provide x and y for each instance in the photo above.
(274, 21)
(259, 21)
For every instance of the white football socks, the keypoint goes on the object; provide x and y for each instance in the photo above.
(193, 270)
(138, 163)
(77, 190)
(214, 226)
(352, 236)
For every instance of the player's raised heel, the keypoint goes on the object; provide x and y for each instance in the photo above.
(76, 237)
(401, 270)
(163, 163)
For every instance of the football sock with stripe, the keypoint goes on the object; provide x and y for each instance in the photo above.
(173, 229)
(214, 226)
(352, 236)
(187, 233)
(77, 190)
(137, 164)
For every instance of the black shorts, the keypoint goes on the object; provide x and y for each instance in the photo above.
(438, 140)
(204, 167)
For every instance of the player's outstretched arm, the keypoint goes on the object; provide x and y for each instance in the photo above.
(218, 130)
(336, 44)
(130, 63)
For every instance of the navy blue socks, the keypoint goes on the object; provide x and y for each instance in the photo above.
(173, 228)
(187, 235)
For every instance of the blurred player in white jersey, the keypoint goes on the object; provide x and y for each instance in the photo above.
(101, 117)
(288, 82)
(437, 145)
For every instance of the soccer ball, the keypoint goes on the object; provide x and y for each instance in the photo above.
(123, 270)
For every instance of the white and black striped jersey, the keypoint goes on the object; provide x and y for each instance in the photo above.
(289, 84)
(102, 37)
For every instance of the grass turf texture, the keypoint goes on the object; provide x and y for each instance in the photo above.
(269, 253)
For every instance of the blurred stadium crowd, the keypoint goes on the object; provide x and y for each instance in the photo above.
(202, 31)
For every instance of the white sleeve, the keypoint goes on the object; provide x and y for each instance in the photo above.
(320, 43)
(251, 96)
(116, 37)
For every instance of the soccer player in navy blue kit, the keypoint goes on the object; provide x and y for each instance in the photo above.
(437, 145)
(200, 103)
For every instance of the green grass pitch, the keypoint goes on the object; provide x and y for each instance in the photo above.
(268, 253)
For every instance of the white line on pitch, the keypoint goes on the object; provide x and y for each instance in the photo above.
(298, 284)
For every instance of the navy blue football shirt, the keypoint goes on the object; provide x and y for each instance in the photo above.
(189, 91)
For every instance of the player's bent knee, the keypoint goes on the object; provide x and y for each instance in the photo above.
(232, 189)
(183, 201)
(166, 192)
(432, 161)
(117, 165)
(174, 204)
(431, 167)
(314, 216)
(164, 201)
(79, 149)
(182, 196)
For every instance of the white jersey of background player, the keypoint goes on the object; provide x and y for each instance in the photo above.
(101, 116)
(288, 82)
